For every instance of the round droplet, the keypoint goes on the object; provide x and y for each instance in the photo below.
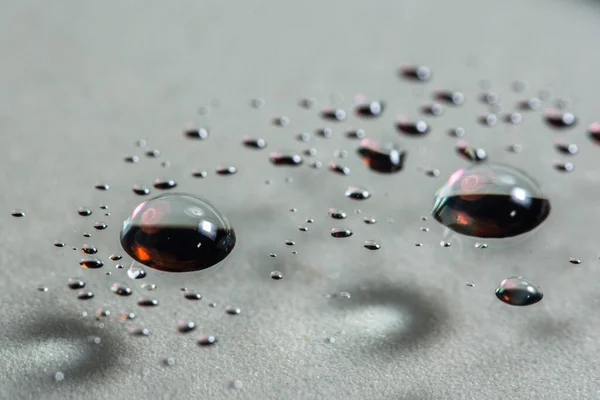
(473, 154)
(518, 291)
(337, 213)
(169, 362)
(132, 159)
(356, 134)
(102, 186)
(100, 226)
(357, 193)
(84, 212)
(291, 159)
(141, 190)
(197, 133)
(120, 289)
(153, 153)
(59, 376)
(418, 73)
(17, 213)
(334, 114)
(490, 201)
(310, 152)
(257, 103)
(325, 132)
(457, 132)
(450, 97)
(91, 263)
(308, 103)
(89, 249)
(226, 170)
(136, 271)
(281, 121)
(444, 243)
(147, 302)
(370, 110)
(488, 119)
(177, 233)
(489, 98)
(276, 275)
(434, 109)
(85, 295)
(75, 283)
(190, 295)
(412, 128)
(255, 143)
(207, 340)
(382, 157)
(140, 143)
(432, 172)
(530, 104)
(513, 118)
(233, 310)
(564, 166)
(185, 326)
(303, 137)
(559, 119)
(164, 184)
(574, 260)
(371, 245)
(339, 169)
(341, 232)
(566, 148)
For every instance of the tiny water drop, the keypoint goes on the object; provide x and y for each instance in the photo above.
(371, 245)
(120, 289)
(341, 232)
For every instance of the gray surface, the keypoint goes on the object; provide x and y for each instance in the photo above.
(81, 81)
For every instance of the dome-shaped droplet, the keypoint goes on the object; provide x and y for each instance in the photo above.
(164, 184)
(450, 97)
(490, 201)
(196, 133)
(91, 263)
(559, 119)
(382, 157)
(334, 114)
(84, 211)
(88, 249)
(100, 226)
(17, 213)
(518, 291)
(276, 275)
(121, 289)
(75, 283)
(416, 73)
(412, 128)
(255, 143)
(85, 295)
(177, 233)
(339, 169)
(147, 302)
(357, 193)
(371, 245)
(370, 110)
(341, 232)
(337, 213)
(473, 154)
(226, 170)
(434, 109)
(291, 159)
(141, 190)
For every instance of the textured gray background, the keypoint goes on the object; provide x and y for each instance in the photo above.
(80, 82)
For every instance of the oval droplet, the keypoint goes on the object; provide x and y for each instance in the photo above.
(337, 213)
(490, 201)
(370, 110)
(196, 133)
(132, 159)
(567, 148)
(85, 295)
(102, 186)
(594, 131)
(276, 275)
(412, 128)
(100, 226)
(371, 245)
(473, 154)
(518, 291)
(450, 97)
(121, 289)
(334, 114)
(153, 153)
(17, 213)
(382, 157)
(291, 159)
(341, 232)
(339, 169)
(141, 190)
(255, 143)
(190, 295)
(226, 170)
(559, 119)
(84, 211)
(434, 109)
(564, 166)
(164, 184)
(91, 263)
(89, 249)
(75, 283)
(147, 302)
(185, 326)
(529, 104)
(356, 134)
(357, 193)
(419, 73)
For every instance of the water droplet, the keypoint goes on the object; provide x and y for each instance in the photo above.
(164, 233)
(276, 275)
(490, 201)
(308, 103)
(471, 153)
(316, 164)
(594, 131)
(126, 316)
(237, 384)
(480, 245)
(132, 159)
(416, 73)
(205, 340)
(343, 295)
(91, 263)
(303, 228)
(75, 283)
(339, 169)
(341, 232)
(281, 121)
(84, 212)
(369, 220)
(185, 326)
(169, 362)
(85, 295)
(147, 302)
(337, 213)
(140, 143)
(102, 186)
(291, 159)
(412, 128)
(574, 260)
(470, 284)
(559, 119)
(569, 149)
(119, 266)
(197, 133)
(257, 103)
(100, 226)
(303, 137)
(324, 132)
(564, 166)
(290, 242)
(153, 153)
(136, 272)
(382, 157)
(357, 193)
(513, 118)
(233, 310)
(370, 110)
(530, 104)
(199, 174)
(164, 184)
(58, 243)
(434, 109)
(139, 332)
(356, 134)
(17, 213)
(115, 257)
(87, 235)
(424, 229)
(518, 291)
(371, 245)
(88, 249)
(120, 289)
(457, 132)
(149, 286)
(213, 305)
(102, 313)
(255, 143)
(59, 376)
(42, 288)
(335, 114)
(432, 172)
(488, 119)
(450, 97)
(443, 243)
(489, 98)
(515, 148)
(419, 244)
(141, 190)
(190, 295)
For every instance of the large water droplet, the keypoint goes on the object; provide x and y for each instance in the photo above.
(136, 271)
(473, 154)
(490, 201)
(382, 157)
(177, 233)
(84, 211)
(91, 263)
(518, 291)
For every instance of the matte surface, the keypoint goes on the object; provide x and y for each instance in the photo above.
(80, 82)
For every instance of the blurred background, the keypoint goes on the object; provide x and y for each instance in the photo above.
(81, 83)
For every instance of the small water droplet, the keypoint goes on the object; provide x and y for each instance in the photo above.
(569, 149)
(141, 190)
(559, 119)
(102, 186)
(341, 232)
(126, 316)
(424, 229)
(371, 245)
(255, 143)
(84, 295)
(489, 98)
(434, 109)
(87, 235)
(443, 243)
(473, 154)
(237, 384)
(530, 104)
(479, 245)
(169, 362)
(334, 114)
(132, 159)
(58, 243)
(147, 302)
(149, 286)
(419, 244)
(594, 131)
(164, 184)
(337, 213)
(432, 172)
(136, 271)
(17, 213)
(291, 159)
(419, 73)
(412, 128)
(257, 103)
(384, 157)
(197, 133)
(308, 103)
(290, 242)
(102, 313)
(518, 291)
(330, 340)
(276, 275)
(153, 153)
(139, 332)
(191, 295)
(213, 305)
(450, 97)
(100, 226)
(42, 288)
(324, 132)
(457, 132)
(75, 283)
(185, 326)
(574, 260)
(488, 119)
(339, 169)
(59, 376)
(91, 263)
(564, 166)
(233, 310)
(281, 121)
(207, 340)
(513, 118)
(121, 289)
(470, 284)
(357, 193)
(84, 211)
(515, 148)
(303, 228)
(370, 110)
(140, 143)
(369, 220)
(356, 134)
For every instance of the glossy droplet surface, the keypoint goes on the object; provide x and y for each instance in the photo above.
(102, 186)
(518, 291)
(337, 213)
(58, 243)
(185, 326)
(276, 275)
(207, 340)
(190, 295)
(564, 166)
(341, 232)
(85, 295)
(164, 184)
(255, 143)
(357, 193)
(121, 289)
(75, 283)
(115, 257)
(384, 157)
(17, 213)
(559, 119)
(416, 73)
(197, 133)
(371, 245)
(473, 154)
(490, 201)
(370, 110)
(334, 114)
(91, 263)
(356, 134)
(434, 109)
(488, 119)
(141, 190)
(84, 211)
(89, 249)
(450, 97)
(226, 170)
(566, 148)
(136, 272)
(339, 169)
(291, 159)
(412, 128)
(147, 302)
(177, 233)
(132, 159)
(100, 226)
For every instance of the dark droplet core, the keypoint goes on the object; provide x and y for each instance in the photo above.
(490, 201)
(177, 233)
